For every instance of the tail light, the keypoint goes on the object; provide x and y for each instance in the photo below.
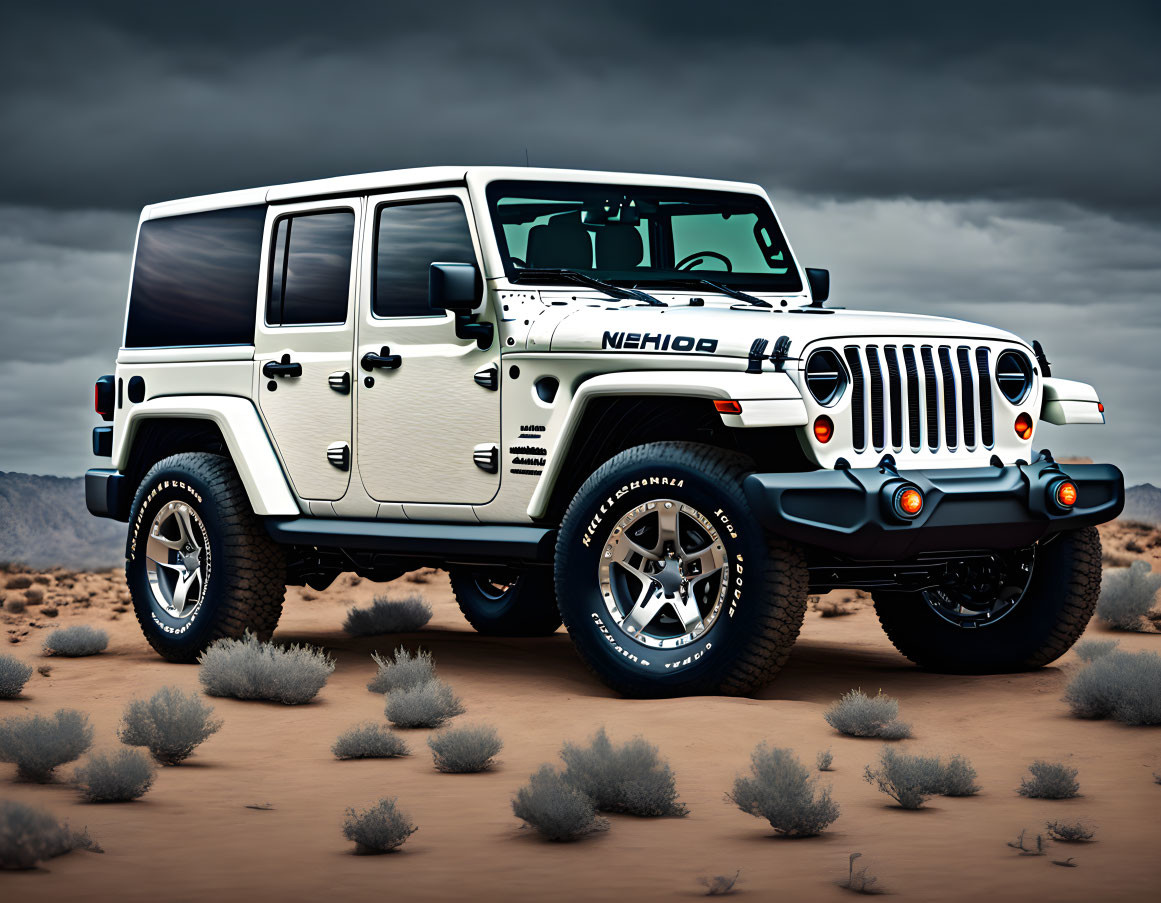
(105, 397)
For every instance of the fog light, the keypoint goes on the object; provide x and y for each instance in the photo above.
(907, 502)
(1024, 427)
(728, 406)
(1065, 493)
(823, 429)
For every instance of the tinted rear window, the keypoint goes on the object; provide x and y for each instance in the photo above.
(195, 280)
(310, 277)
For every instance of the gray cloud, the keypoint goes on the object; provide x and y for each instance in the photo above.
(996, 163)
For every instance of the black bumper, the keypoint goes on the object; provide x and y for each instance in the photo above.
(848, 511)
(106, 495)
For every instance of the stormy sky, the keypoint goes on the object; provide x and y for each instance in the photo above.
(996, 161)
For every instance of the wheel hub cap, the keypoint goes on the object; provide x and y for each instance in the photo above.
(663, 573)
(177, 560)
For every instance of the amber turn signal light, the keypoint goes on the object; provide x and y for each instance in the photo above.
(1065, 493)
(823, 428)
(1024, 427)
(728, 406)
(907, 502)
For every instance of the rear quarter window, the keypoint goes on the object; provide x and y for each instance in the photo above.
(195, 279)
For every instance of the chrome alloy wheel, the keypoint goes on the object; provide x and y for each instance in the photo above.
(979, 594)
(178, 560)
(663, 574)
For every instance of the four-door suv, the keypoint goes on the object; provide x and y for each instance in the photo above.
(609, 399)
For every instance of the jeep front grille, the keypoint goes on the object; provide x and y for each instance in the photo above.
(916, 396)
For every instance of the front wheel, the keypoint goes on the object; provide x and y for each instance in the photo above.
(668, 584)
(1011, 612)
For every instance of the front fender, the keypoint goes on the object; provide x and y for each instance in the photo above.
(767, 399)
(241, 427)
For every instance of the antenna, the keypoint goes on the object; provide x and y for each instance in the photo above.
(526, 163)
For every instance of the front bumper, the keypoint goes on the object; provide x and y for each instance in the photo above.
(847, 511)
(106, 494)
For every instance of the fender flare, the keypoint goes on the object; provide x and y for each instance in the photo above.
(1068, 401)
(241, 427)
(768, 399)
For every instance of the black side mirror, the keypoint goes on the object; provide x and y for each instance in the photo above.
(458, 287)
(819, 285)
(454, 286)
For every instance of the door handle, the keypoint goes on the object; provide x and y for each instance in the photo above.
(284, 367)
(384, 360)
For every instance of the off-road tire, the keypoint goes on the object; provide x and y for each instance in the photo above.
(766, 598)
(527, 608)
(247, 581)
(1055, 609)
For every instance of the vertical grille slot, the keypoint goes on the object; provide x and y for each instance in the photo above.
(858, 398)
(949, 412)
(931, 397)
(967, 396)
(896, 396)
(914, 425)
(878, 426)
(987, 433)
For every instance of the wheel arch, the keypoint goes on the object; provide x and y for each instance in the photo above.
(225, 425)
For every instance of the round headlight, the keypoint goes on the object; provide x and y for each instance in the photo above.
(1014, 375)
(826, 377)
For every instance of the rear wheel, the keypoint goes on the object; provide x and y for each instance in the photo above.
(510, 603)
(667, 582)
(1013, 612)
(199, 564)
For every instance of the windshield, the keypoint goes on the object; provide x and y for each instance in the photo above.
(640, 235)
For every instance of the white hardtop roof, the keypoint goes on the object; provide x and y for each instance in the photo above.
(419, 177)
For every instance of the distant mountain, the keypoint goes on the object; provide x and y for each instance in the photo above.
(1143, 503)
(44, 523)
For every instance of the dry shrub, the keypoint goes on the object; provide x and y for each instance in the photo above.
(1050, 781)
(382, 828)
(465, 750)
(858, 715)
(429, 704)
(20, 581)
(1127, 596)
(1090, 650)
(555, 808)
(76, 641)
(386, 615)
(780, 789)
(1125, 686)
(250, 669)
(630, 778)
(824, 760)
(37, 744)
(369, 741)
(14, 675)
(401, 671)
(29, 836)
(15, 606)
(116, 777)
(1070, 832)
(170, 724)
(34, 595)
(912, 780)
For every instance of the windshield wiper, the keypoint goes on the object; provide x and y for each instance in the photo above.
(613, 291)
(726, 290)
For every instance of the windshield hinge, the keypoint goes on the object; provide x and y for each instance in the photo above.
(757, 355)
(780, 353)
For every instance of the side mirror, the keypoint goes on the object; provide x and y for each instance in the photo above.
(458, 287)
(819, 285)
(454, 286)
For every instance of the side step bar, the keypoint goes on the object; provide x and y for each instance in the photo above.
(455, 543)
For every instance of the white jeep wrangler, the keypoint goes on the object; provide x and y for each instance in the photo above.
(613, 400)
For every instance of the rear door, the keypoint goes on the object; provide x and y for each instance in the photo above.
(428, 429)
(304, 341)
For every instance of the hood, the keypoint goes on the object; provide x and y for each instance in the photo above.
(728, 330)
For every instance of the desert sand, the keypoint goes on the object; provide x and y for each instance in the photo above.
(193, 837)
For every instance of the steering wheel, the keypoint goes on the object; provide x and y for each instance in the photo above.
(692, 259)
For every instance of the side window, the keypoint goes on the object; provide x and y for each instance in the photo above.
(310, 274)
(195, 279)
(408, 239)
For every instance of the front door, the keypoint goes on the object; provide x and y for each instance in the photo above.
(304, 340)
(428, 428)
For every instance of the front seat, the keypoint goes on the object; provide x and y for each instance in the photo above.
(562, 243)
(619, 247)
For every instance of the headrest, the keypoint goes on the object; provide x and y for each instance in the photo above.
(619, 247)
(561, 243)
